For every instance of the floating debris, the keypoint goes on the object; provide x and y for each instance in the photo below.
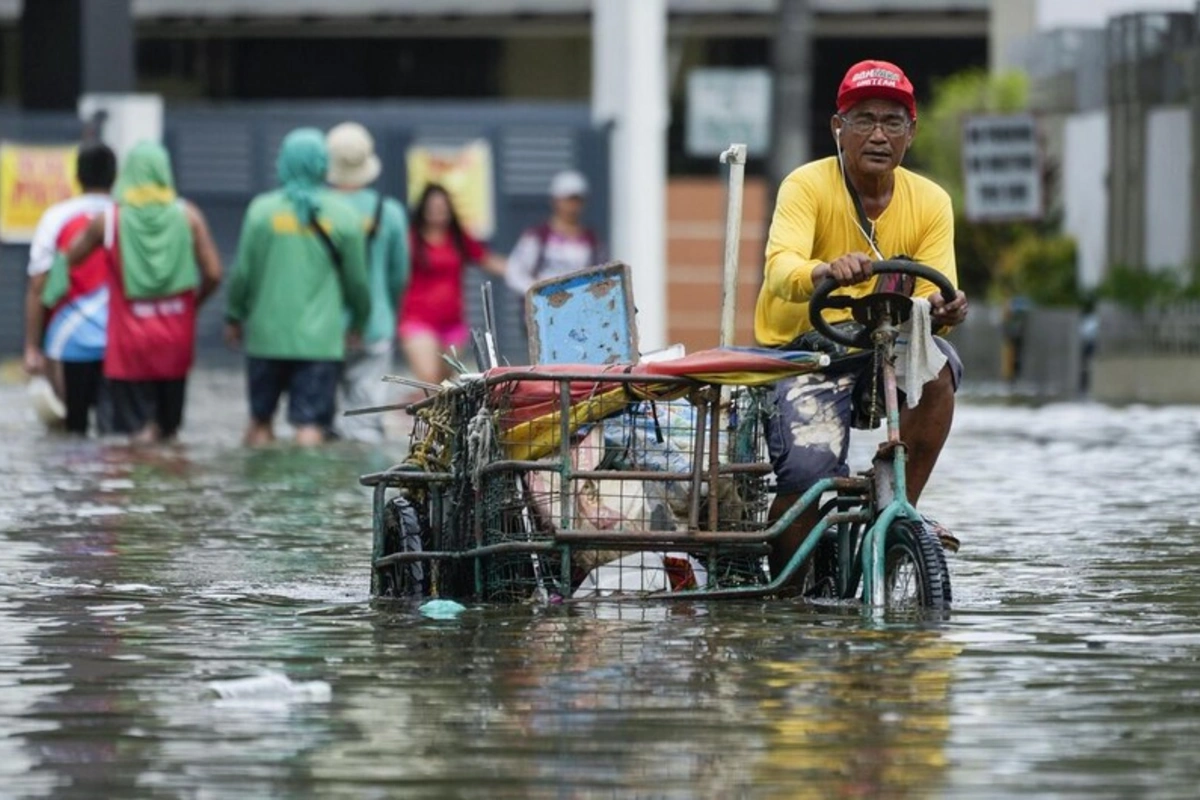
(442, 609)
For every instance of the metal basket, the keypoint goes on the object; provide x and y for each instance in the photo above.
(581, 485)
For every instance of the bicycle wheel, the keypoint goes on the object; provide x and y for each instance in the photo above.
(402, 534)
(821, 572)
(915, 573)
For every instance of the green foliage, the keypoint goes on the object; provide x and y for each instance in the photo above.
(937, 152)
(979, 249)
(1041, 269)
(1138, 288)
(938, 144)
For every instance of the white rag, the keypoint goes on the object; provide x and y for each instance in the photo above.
(918, 358)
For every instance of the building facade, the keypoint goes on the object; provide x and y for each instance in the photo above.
(364, 53)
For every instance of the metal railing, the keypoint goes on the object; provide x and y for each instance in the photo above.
(1172, 330)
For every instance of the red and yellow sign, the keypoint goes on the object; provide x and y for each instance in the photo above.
(32, 178)
(466, 173)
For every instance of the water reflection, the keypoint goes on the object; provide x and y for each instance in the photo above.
(132, 579)
(681, 702)
(868, 715)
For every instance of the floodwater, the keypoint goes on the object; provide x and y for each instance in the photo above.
(138, 589)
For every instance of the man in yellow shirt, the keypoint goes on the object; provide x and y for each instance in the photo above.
(833, 218)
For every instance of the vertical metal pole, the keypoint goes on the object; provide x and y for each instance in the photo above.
(846, 541)
(892, 408)
(714, 464)
(879, 539)
(479, 511)
(735, 157)
(701, 404)
(489, 327)
(566, 474)
(378, 509)
(566, 479)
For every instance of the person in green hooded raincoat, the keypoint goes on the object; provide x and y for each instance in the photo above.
(163, 266)
(301, 271)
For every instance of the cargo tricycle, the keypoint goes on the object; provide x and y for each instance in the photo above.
(648, 479)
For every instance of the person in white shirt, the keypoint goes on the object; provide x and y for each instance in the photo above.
(560, 245)
(66, 311)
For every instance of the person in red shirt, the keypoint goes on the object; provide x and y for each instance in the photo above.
(163, 264)
(434, 315)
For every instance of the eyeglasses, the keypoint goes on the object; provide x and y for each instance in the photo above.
(865, 124)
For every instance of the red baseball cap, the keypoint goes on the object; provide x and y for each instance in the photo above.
(875, 79)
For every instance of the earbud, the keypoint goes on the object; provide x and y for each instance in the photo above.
(839, 132)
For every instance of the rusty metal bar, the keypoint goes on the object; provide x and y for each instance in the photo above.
(378, 530)
(534, 375)
(656, 538)
(621, 474)
(404, 380)
(399, 476)
(438, 515)
(714, 461)
(355, 412)
(477, 523)
(566, 484)
(591, 377)
(458, 555)
(697, 475)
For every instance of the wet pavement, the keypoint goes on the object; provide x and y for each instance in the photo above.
(139, 588)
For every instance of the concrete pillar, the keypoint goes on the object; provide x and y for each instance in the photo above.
(1010, 22)
(629, 93)
(791, 111)
(1193, 84)
(1128, 107)
(74, 47)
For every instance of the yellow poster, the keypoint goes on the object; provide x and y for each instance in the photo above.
(32, 178)
(466, 173)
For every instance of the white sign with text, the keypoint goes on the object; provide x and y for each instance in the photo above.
(1002, 168)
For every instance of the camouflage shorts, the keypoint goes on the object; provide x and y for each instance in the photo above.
(809, 433)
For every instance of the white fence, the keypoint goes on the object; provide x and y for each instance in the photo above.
(1172, 330)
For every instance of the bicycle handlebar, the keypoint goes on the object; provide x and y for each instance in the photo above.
(820, 299)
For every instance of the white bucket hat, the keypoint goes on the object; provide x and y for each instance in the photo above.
(352, 159)
(568, 184)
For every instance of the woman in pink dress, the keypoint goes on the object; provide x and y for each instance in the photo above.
(434, 317)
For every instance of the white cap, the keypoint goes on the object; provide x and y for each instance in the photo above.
(568, 184)
(352, 159)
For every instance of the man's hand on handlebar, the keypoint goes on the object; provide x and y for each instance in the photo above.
(949, 314)
(848, 270)
(855, 268)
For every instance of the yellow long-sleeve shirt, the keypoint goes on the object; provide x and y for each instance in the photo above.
(815, 223)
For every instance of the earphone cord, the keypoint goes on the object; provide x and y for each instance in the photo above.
(857, 204)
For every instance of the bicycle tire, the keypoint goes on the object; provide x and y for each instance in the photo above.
(914, 555)
(821, 573)
(403, 533)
